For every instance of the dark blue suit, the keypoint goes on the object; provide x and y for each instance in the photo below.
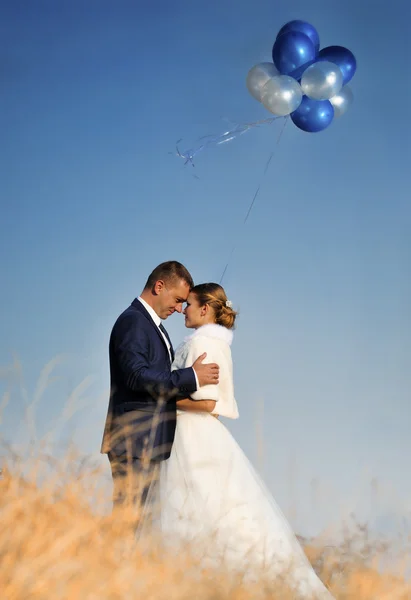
(142, 410)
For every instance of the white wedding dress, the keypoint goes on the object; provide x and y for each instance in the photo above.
(210, 495)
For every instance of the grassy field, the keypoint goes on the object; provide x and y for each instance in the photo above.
(58, 542)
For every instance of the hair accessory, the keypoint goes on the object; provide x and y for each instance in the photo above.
(229, 303)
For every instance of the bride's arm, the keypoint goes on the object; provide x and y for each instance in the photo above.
(196, 405)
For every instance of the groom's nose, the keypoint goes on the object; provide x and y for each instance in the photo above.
(179, 307)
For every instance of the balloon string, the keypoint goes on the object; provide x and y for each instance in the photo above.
(250, 208)
(219, 139)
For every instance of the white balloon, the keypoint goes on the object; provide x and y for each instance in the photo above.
(282, 95)
(258, 76)
(322, 80)
(342, 101)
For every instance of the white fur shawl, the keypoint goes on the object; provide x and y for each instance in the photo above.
(213, 330)
(216, 341)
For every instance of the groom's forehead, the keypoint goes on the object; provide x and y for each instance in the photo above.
(180, 289)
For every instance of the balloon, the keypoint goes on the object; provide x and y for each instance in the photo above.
(313, 115)
(343, 58)
(342, 101)
(302, 27)
(258, 76)
(322, 80)
(291, 51)
(282, 95)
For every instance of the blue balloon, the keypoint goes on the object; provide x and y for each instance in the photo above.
(342, 57)
(302, 27)
(313, 115)
(291, 52)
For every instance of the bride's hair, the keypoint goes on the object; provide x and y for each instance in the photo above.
(214, 295)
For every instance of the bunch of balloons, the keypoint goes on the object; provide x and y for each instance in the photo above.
(303, 81)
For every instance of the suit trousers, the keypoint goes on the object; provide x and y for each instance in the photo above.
(135, 486)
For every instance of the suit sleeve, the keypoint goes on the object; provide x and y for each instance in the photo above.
(131, 343)
(214, 355)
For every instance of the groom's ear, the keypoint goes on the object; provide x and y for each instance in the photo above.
(158, 286)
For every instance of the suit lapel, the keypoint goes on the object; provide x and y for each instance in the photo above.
(138, 306)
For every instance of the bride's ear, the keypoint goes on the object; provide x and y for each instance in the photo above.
(204, 310)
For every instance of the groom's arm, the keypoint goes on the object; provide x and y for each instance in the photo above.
(132, 344)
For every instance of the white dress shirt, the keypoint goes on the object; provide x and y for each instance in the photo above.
(157, 321)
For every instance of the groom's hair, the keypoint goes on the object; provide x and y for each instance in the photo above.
(170, 272)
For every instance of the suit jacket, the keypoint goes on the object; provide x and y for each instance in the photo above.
(141, 417)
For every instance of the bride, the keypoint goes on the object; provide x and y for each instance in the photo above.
(210, 495)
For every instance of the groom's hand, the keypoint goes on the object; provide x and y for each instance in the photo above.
(206, 374)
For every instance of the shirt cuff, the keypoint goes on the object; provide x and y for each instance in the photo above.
(197, 385)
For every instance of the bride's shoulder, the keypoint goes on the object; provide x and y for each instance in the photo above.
(207, 339)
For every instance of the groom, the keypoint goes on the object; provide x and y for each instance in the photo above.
(141, 419)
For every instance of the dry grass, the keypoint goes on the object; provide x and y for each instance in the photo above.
(57, 543)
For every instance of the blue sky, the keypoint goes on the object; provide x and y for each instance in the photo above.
(93, 97)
